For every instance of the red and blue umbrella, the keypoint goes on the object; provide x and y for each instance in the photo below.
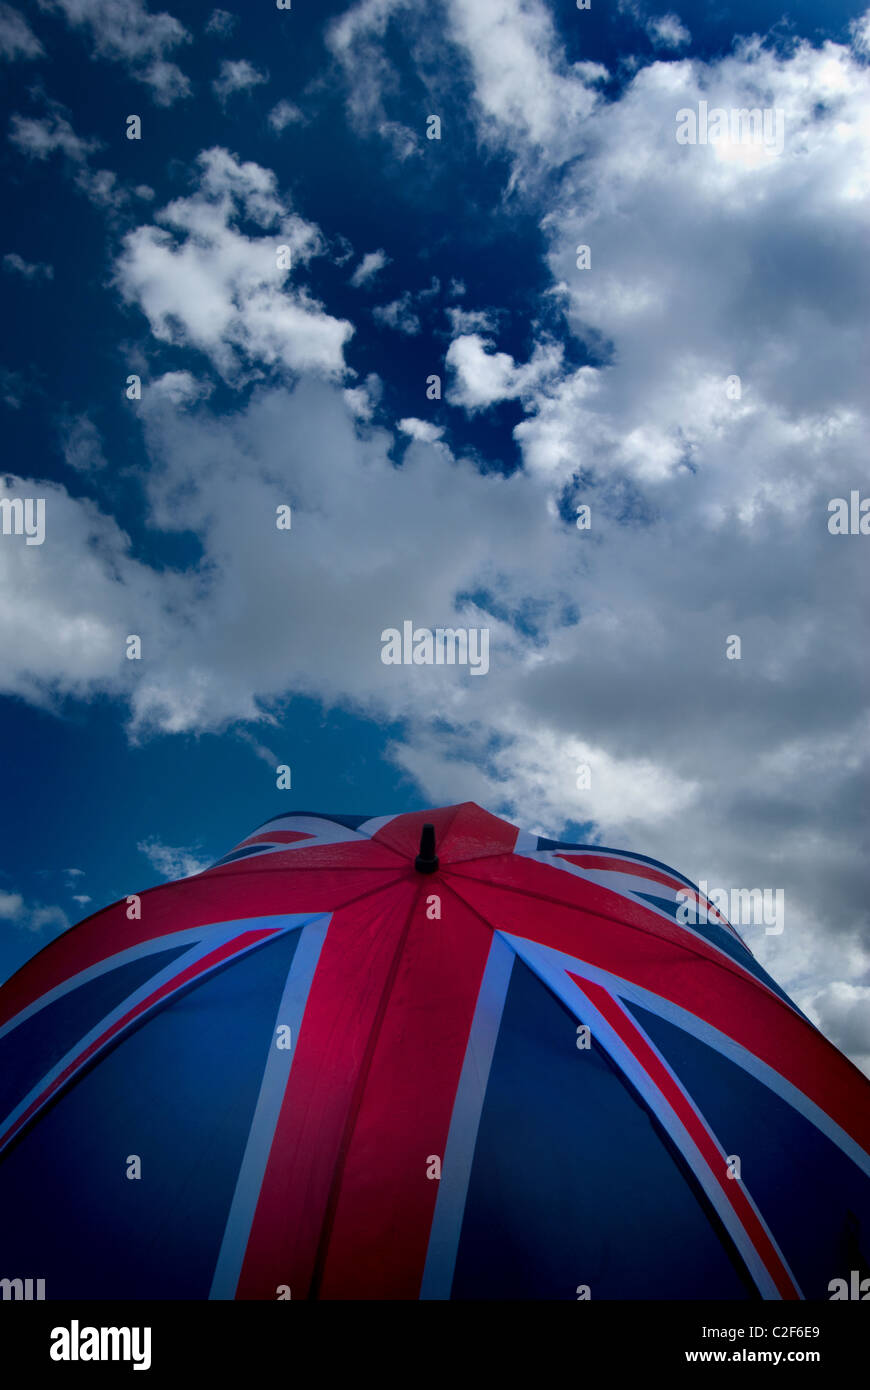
(422, 1056)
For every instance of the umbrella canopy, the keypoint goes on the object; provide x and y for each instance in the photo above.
(360, 1059)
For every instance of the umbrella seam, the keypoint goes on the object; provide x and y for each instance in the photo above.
(726, 963)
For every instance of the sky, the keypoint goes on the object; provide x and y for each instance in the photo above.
(698, 380)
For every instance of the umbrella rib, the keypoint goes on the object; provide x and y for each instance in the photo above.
(733, 967)
(175, 884)
(367, 893)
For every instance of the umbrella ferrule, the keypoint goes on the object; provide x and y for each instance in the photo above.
(427, 860)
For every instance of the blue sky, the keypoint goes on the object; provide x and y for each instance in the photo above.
(455, 256)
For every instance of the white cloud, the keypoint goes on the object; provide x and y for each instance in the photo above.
(362, 400)
(371, 263)
(167, 82)
(340, 249)
(355, 40)
(523, 88)
(470, 320)
(170, 861)
(180, 388)
(667, 31)
(526, 94)
(31, 270)
(11, 905)
(422, 430)
(221, 23)
(259, 749)
(40, 137)
(67, 605)
(31, 916)
(860, 31)
(202, 282)
(27, 926)
(43, 918)
(125, 31)
(237, 76)
(102, 188)
(261, 617)
(285, 113)
(17, 39)
(402, 313)
(82, 445)
(539, 772)
(483, 377)
(398, 314)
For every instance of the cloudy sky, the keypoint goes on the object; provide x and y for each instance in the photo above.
(699, 382)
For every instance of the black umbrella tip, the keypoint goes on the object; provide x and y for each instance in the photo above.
(427, 860)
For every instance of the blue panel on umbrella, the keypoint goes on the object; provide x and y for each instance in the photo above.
(572, 1183)
(179, 1092)
(815, 1200)
(35, 1046)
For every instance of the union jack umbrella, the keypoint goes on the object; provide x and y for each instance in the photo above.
(422, 1056)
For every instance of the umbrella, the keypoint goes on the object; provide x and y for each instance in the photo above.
(423, 1056)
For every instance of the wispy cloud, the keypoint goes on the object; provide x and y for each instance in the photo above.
(33, 917)
(371, 263)
(30, 270)
(221, 23)
(237, 76)
(170, 860)
(17, 39)
(126, 32)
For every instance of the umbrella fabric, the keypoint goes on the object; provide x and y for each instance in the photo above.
(318, 1071)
